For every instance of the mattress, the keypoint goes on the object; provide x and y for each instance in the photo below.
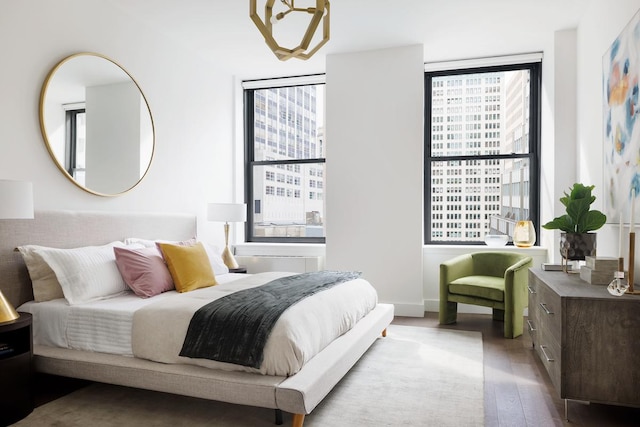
(102, 326)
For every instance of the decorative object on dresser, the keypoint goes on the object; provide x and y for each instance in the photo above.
(632, 247)
(587, 340)
(575, 240)
(598, 270)
(619, 285)
(227, 212)
(491, 279)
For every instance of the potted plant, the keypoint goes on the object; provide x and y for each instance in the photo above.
(576, 241)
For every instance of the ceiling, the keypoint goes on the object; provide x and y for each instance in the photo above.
(222, 32)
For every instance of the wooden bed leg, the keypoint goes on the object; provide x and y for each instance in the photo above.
(384, 332)
(279, 421)
(298, 420)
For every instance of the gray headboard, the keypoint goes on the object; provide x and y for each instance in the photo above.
(68, 229)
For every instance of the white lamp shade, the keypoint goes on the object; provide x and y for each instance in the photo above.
(16, 199)
(227, 212)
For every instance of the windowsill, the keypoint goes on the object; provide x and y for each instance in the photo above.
(318, 249)
(458, 248)
(279, 249)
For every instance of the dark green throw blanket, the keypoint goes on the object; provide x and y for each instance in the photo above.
(235, 328)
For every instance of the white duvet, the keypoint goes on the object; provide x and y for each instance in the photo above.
(154, 328)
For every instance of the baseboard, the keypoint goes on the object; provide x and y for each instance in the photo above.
(408, 310)
(433, 306)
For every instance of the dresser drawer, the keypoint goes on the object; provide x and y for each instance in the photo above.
(548, 312)
(550, 352)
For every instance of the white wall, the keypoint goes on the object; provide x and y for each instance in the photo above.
(190, 98)
(374, 125)
(600, 25)
(558, 157)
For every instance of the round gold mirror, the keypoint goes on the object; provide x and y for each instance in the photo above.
(96, 124)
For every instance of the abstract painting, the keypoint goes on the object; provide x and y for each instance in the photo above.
(621, 71)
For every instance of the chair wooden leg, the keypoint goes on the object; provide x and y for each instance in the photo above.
(384, 332)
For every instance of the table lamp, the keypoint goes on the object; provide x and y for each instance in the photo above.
(16, 202)
(227, 212)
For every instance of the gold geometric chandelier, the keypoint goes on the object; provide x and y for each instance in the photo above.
(318, 13)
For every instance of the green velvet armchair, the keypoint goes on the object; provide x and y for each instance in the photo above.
(491, 279)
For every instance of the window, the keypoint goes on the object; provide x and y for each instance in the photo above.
(490, 152)
(75, 144)
(284, 143)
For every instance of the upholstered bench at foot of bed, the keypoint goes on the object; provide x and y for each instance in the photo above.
(298, 394)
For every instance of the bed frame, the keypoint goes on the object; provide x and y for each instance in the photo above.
(298, 394)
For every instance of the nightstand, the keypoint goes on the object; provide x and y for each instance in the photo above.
(240, 269)
(16, 369)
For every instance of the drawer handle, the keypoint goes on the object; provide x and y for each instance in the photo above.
(531, 328)
(546, 356)
(531, 290)
(544, 307)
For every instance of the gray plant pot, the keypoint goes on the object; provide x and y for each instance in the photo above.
(577, 246)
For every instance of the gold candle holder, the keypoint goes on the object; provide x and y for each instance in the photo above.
(632, 258)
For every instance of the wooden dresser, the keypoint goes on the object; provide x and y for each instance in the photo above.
(587, 339)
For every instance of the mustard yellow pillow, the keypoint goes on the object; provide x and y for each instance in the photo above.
(189, 266)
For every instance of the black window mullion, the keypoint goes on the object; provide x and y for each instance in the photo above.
(249, 156)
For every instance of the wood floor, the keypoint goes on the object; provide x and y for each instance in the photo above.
(517, 389)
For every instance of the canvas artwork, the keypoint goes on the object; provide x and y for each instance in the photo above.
(621, 70)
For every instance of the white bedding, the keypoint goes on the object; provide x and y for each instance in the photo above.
(154, 328)
(102, 326)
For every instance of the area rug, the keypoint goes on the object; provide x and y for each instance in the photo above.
(413, 377)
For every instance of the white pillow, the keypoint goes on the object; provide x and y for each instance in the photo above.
(215, 258)
(43, 280)
(213, 252)
(86, 274)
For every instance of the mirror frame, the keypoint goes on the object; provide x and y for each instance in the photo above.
(43, 130)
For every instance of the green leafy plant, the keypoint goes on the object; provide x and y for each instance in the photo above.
(579, 217)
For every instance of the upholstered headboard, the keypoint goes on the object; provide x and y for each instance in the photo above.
(67, 229)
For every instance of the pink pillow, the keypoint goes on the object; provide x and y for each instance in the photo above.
(144, 271)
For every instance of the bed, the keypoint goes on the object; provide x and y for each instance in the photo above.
(297, 392)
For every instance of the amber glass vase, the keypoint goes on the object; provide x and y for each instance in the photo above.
(524, 234)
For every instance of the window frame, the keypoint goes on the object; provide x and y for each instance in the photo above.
(250, 163)
(71, 140)
(533, 155)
